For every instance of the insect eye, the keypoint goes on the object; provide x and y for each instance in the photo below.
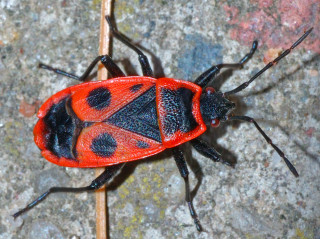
(215, 122)
(210, 90)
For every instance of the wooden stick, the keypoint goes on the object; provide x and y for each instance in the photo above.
(101, 195)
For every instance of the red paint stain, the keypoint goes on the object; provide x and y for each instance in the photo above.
(301, 204)
(271, 54)
(276, 24)
(28, 110)
(64, 3)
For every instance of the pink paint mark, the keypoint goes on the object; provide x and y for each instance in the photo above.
(256, 27)
(294, 13)
(277, 24)
(263, 3)
(310, 131)
(232, 14)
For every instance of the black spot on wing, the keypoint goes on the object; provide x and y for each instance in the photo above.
(104, 145)
(99, 98)
(135, 88)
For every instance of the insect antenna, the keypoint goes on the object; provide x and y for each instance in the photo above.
(269, 65)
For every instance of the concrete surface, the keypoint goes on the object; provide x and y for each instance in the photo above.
(259, 198)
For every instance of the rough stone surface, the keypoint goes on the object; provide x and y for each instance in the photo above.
(259, 198)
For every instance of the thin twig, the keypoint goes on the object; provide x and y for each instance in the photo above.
(101, 196)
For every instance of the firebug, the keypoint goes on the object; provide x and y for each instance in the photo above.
(126, 118)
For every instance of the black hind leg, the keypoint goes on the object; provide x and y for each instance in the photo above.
(103, 178)
(106, 60)
(144, 62)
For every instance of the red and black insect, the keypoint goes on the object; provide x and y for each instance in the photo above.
(108, 123)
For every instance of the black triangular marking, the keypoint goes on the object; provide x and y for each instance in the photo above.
(139, 116)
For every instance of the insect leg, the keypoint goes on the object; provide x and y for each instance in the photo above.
(183, 169)
(209, 74)
(203, 148)
(105, 60)
(103, 178)
(144, 62)
(281, 154)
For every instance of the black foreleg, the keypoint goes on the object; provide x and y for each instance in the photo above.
(203, 148)
(209, 74)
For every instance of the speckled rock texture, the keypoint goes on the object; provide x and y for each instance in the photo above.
(259, 198)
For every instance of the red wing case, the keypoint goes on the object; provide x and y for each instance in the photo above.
(104, 144)
(98, 102)
(98, 124)
(178, 105)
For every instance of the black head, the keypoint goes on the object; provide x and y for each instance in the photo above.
(214, 106)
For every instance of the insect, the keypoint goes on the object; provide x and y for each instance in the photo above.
(109, 123)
